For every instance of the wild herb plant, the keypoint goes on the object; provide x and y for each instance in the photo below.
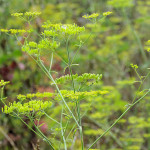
(34, 105)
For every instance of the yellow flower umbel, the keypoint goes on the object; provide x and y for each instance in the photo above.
(3, 83)
(4, 30)
(67, 29)
(82, 78)
(17, 14)
(26, 14)
(94, 15)
(32, 14)
(12, 31)
(33, 106)
(134, 66)
(107, 13)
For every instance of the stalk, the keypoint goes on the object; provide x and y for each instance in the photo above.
(131, 105)
(43, 68)
(50, 76)
(77, 102)
(62, 132)
(45, 138)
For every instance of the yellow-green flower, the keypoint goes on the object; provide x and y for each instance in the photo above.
(13, 31)
(21, 31)
(3, 83)
(33, 106)
(32, 14)
(94, 15)
(17, 14)
(33, 44)
(107, 13)
(4, 30)
(148, 49)
(148, 46)
(134, 66)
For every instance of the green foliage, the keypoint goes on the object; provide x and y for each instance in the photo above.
(101, 46)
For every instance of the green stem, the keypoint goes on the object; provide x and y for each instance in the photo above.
(67, 48)
(80, 47)
(75, 124)
(66, 126)
(104, 128)
(45, 138)
(50, 76)
(51, 62)
(77, 102)
(2, 91)
(51, 118)
(28, 126)
(43, 68)
(142, 81)
(61, 58)
(62, 132)
(131, 105)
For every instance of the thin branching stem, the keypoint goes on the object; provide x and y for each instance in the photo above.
(45, 138)
(77, 102)
(52, 79)
(130, 106)
(62, 131)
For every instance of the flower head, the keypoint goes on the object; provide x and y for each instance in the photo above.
(3, 83)
(107, 13)
(17, 14)
(32, 14)
(4, 30)
(94, 15)
(134, 66)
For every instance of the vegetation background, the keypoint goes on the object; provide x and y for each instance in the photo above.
(115, 43)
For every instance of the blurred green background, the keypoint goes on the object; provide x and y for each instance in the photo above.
(114, 44)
